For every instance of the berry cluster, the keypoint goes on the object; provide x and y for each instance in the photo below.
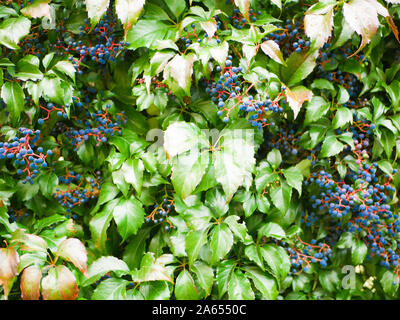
(285, 139)
(101, 45)
(76, 195)
(160, 213)
(227, 91)
(104, 128)
(290, 38)
(17, 214)
(155, 83)
(191, 35)
(239, 21)
(360, 204)
(25, 153)
(32, 44)
(51, 107)
(327, 68)
(302, 254)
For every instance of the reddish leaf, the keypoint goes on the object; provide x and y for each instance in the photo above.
(9, 260)
(296, 97)
(29, 242)
(74, 251)
(30, 283)
(59, 284)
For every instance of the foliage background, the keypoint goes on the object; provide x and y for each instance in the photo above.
(239, 199)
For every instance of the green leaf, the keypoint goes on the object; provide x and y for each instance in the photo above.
(66, 67)
(271, 229)
(343, 95)
(99, 224)
(342, 117)
(135, 249)
(147, 32)
(264, 283)
(185, 287)
(235, 161)
(12, 30)
(133, 170)
(128, 11)
(151, 269)
(176, 6)
(194, 241)
(385, 166)
(281, 196)
(331, 147)
(316, 109)
(129, 216)
(111, 289)
(294, 178)
(239, 287)
(56, 91)
(277, 260)
(264, 176)
(105, 265)
(221, 242)
(299, 66)
(47, 183)
(224, 271)
(216, 201)
(238, 229)
(28, 68)
(187, 171)
(329, 280)
(274, 158)
(358, 252)
(253, 253)
(272, 50)
(182, 136)
(389, 282)
(205, 275)
(13, 96)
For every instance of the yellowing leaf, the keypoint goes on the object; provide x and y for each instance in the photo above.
(220, 52)
(73, 250)
(37, 10)
(362, 17)
(318, 24)
(9, 260)
(30, 283)
(59, 284)
(244, 6)
(296, 97)
(272, 50)
(210, 27)
(249, 52)
(96, 9)
(128, 11)
(180, 68)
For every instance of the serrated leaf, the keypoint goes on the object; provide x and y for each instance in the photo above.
(239, 287)
(221, 242)
(331, 147)
(96, 9)
(30, 283)
(318, 24)
(296, 97)
(12, 30)
(59, 284)
(73, 250)
(104, 265)
(272, 50)
(129, 216)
